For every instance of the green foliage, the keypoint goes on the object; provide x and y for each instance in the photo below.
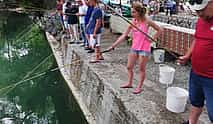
(129, 41)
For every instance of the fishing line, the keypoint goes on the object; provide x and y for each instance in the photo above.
(27, 75)
(22, 32)
(25, 33)
(13, 86)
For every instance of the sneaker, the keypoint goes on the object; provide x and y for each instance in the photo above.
(82, 45)
(91, 51)
(72, 41)
(186, 122)
(87, 48)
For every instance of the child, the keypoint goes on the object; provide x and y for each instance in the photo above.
(141, 46)
(94, 29)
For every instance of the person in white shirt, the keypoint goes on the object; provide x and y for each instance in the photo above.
(145, 3)
(82, 10)
(65, 18)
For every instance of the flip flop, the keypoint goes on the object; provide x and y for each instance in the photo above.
(94, 61)
(101, 58)
(126, 86)
(137, 91)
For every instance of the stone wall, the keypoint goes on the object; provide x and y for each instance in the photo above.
(102, 102)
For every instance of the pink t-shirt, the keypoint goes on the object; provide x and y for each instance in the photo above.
(139, 40)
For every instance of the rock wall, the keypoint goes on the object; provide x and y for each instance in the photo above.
(101, 100)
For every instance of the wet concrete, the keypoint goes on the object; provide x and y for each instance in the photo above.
(97, 88)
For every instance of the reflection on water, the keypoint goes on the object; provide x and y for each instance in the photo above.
(24, 53)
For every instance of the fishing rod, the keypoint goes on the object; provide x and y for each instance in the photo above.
(148, 36)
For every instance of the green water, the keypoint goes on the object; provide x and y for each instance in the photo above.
(45, 99)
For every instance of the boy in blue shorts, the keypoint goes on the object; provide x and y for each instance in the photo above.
(94, 29)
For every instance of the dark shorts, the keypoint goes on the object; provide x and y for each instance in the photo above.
(201, 89)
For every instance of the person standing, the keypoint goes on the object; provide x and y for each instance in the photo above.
(87, 17)
(94, 29)
(141, 45)
(201, 54)
(71, 12)
(82, 10)
(145, 3)
(59, 7)
(168, 6)
(153, 7)
(65, 18)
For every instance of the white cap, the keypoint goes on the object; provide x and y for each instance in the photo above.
(200, 6)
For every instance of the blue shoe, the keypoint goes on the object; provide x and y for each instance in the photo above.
(186, 122)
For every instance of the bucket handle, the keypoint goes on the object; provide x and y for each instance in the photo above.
(161, 65)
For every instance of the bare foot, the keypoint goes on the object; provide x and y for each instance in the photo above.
(137, 91)
(126, 85)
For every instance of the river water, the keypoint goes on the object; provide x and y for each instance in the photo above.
(30, 93)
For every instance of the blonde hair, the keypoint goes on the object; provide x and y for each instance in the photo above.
(141, 10)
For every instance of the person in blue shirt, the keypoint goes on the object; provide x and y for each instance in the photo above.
(94, 29)
(86, 20)
(169, 5)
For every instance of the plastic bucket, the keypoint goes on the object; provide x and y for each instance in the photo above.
(176, 99)
(166, 74)
(159, 55)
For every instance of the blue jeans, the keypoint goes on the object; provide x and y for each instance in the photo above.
(83, 34)
(201, 89)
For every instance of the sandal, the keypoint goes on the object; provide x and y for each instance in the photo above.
(94, 61)
(102, 58)
(137, 91)
(126, 86)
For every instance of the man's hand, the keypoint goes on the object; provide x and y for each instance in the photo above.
(183, 59)
(94, 35)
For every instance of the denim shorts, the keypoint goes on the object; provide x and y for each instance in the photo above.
(201, 89)
(140, 52)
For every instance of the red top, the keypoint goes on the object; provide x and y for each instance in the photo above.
(202, 55)
(59, 7)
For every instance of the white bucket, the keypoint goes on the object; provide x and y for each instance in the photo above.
(159, 55)
(166, 74)
(176, 99)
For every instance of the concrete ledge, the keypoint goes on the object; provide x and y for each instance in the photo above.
(96, 88)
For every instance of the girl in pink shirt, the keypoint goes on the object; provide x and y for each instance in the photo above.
(141, 45)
